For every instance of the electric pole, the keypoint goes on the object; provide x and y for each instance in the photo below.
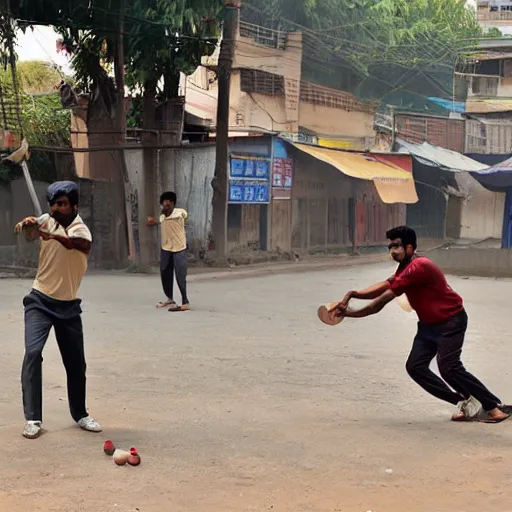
(220, 180)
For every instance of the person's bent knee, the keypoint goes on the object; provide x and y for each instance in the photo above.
(448, 368)
(412, 367)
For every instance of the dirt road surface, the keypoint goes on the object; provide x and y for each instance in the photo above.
(248, 403)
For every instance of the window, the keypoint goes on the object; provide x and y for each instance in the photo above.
(333, 98)
(261, 82)
(484, 85)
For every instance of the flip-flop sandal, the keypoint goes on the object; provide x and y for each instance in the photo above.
(165, 304)
(462, 419)
(487, 419)
(507, 409)
(174, 308)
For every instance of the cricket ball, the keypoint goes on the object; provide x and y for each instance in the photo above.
(121, 457)
(134, 457)
(109, 448)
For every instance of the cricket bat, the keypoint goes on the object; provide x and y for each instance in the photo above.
(20, 157)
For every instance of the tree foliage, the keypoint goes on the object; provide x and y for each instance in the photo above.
(161, 37)
(375, 47)
(43, 123)
(38, 77)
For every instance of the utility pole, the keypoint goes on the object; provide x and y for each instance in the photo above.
(120, 126)
(220, 180)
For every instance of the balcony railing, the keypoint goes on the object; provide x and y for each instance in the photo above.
(264, 36)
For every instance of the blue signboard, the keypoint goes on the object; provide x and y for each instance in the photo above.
(249, 168)
(249, 179)
(249, 192)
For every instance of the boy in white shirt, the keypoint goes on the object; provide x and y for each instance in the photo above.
(173, 254)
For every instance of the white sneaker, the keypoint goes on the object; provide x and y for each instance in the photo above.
(90, 424)
(32, 429)
(470, 407)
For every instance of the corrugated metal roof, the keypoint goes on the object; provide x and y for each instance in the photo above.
(490, 121)
(488, 105)
(440, 157)
(393, 184)
(491, 56)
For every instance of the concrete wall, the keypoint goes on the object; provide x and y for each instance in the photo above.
(96, 208)
(7, 236)
(472, 261)
(15, 204)
(336, 122)
(279, 114)
(482, 210)
(188, 171)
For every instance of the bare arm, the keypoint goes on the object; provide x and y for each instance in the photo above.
(372, 292)
(371, 309)
(78, 244)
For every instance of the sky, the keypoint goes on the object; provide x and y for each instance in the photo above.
(39, 44)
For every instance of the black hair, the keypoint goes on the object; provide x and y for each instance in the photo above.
(168, 196)
(61, 189)
(406, 234)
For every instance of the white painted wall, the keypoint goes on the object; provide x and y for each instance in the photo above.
(482, 211)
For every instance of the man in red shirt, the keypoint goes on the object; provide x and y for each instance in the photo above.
(441, 329)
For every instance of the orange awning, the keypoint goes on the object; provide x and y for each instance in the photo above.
(392, 190)
(393, 184)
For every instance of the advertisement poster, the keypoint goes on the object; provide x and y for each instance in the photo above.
(249, 179)
(282, 171)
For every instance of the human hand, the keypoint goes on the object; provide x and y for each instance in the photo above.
(27, 222)
(338, 309)
(45, 236)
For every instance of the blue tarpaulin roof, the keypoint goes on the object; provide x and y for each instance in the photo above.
(496, 178)
(453, 106)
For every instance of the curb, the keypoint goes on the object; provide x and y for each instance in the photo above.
(287, 268)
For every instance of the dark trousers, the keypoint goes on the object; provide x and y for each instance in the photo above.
(445, 341)
(171, 263)
(70, 339)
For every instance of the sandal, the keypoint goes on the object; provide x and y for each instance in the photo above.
(486, 418)
(460, 417)
(164, 304)
(175, 307)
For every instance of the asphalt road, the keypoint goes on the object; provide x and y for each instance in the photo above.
(248, 403)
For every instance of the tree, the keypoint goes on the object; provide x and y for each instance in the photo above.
(152, 40)
(175, 37)
(375, 47)
(43, 123)
(38, 77)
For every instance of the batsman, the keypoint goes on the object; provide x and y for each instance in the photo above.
(63, 257)
(441, 329)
